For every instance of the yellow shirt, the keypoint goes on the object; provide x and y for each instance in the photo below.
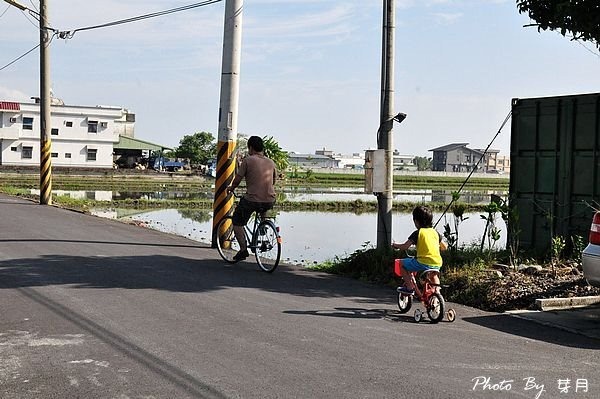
(428, 247)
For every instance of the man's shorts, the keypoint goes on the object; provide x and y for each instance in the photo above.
(245, 208)
(412, 265)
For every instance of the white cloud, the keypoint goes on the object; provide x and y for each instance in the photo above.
(447, 18)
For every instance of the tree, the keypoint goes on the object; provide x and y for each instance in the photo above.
(579, 18)
(198, 148)
(274, 151)
(422, 163)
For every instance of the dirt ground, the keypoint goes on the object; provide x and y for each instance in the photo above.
(519, 290)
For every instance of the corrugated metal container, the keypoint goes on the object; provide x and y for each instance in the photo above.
(555, 166)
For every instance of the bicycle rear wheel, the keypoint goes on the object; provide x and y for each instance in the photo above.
(435, 307)
(227, 245)
(268, 246)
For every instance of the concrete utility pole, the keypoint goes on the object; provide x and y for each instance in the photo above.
(228, 111)
(45, 101)
(45, 113)
(386, 121)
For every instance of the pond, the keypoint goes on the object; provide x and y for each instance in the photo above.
(297, 194)
(308, 237)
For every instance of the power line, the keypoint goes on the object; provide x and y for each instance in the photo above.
(17, 59)
(4, 12)
(70, 34)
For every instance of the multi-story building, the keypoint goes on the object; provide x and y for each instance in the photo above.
(81, 136)
(499, 164)
(404, 162)
(457, 157)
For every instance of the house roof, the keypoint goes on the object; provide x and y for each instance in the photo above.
(308, 156)
(130, 143)
(450, 147)
(489, 151)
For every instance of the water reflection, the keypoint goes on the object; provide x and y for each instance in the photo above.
(296, 194)
(308, 237)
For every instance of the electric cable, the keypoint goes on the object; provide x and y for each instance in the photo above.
(4, 12)
(71, 33)
(455, 196)
(17, 59)
(34, 6)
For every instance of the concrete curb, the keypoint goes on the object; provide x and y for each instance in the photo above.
(565, 303)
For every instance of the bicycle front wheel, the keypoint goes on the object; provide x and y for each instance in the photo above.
(227, 245)
(268, 246)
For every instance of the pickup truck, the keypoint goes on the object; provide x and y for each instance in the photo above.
(162, 163)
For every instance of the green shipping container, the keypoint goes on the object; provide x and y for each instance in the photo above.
(555, 167)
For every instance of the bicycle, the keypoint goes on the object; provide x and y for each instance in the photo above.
(429, 294)
(263, 240)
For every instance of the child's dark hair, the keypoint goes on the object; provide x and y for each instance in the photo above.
(423, 216)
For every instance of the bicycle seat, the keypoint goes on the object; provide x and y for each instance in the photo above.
(262, 209)
(428, 274)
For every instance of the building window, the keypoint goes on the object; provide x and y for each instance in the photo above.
(27, 153)
(67, 155)
(27, 123)
(54, 131)
(91, 154)
(69, 124)
(54, 154)
(92, 126)
(13, 149)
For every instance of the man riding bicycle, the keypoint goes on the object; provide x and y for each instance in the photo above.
(260, 174)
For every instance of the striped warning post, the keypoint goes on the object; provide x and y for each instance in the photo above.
(225, 170)
(45, 172)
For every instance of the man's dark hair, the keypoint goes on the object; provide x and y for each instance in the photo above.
(256, 143)
(423, 216)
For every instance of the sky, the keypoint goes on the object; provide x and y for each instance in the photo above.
(310, 69)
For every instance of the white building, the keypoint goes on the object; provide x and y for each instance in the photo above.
(81, 136)
(351, 161)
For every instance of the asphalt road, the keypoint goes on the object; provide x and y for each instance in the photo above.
(94, 308)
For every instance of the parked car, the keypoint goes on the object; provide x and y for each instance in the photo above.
(591, 254)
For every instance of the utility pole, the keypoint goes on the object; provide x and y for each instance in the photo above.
(386, 122)
(228, 112)
(45, 113)
(45, 100)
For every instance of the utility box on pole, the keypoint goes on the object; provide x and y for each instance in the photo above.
(375, 171)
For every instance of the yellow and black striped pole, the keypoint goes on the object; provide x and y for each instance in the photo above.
(228, 112)
(45, 113)
(45, 172)
(225, 171)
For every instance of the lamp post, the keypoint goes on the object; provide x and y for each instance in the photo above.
(386, 121)
(45, 101)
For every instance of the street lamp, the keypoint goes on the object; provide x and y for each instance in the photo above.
(45, 100)
(400, 117)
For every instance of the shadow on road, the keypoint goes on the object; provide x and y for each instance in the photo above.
(361, 313)
(177, 274)
(181, 274)
(532, 330)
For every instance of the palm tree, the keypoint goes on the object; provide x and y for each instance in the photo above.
(274, 151)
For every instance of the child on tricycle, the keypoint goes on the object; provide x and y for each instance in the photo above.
(427, 262)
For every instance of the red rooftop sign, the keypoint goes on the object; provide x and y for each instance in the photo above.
(9, 106)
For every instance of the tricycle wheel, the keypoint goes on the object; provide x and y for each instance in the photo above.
(451, 315)
(418, 315)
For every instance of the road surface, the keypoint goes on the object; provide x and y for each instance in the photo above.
(95, 308)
